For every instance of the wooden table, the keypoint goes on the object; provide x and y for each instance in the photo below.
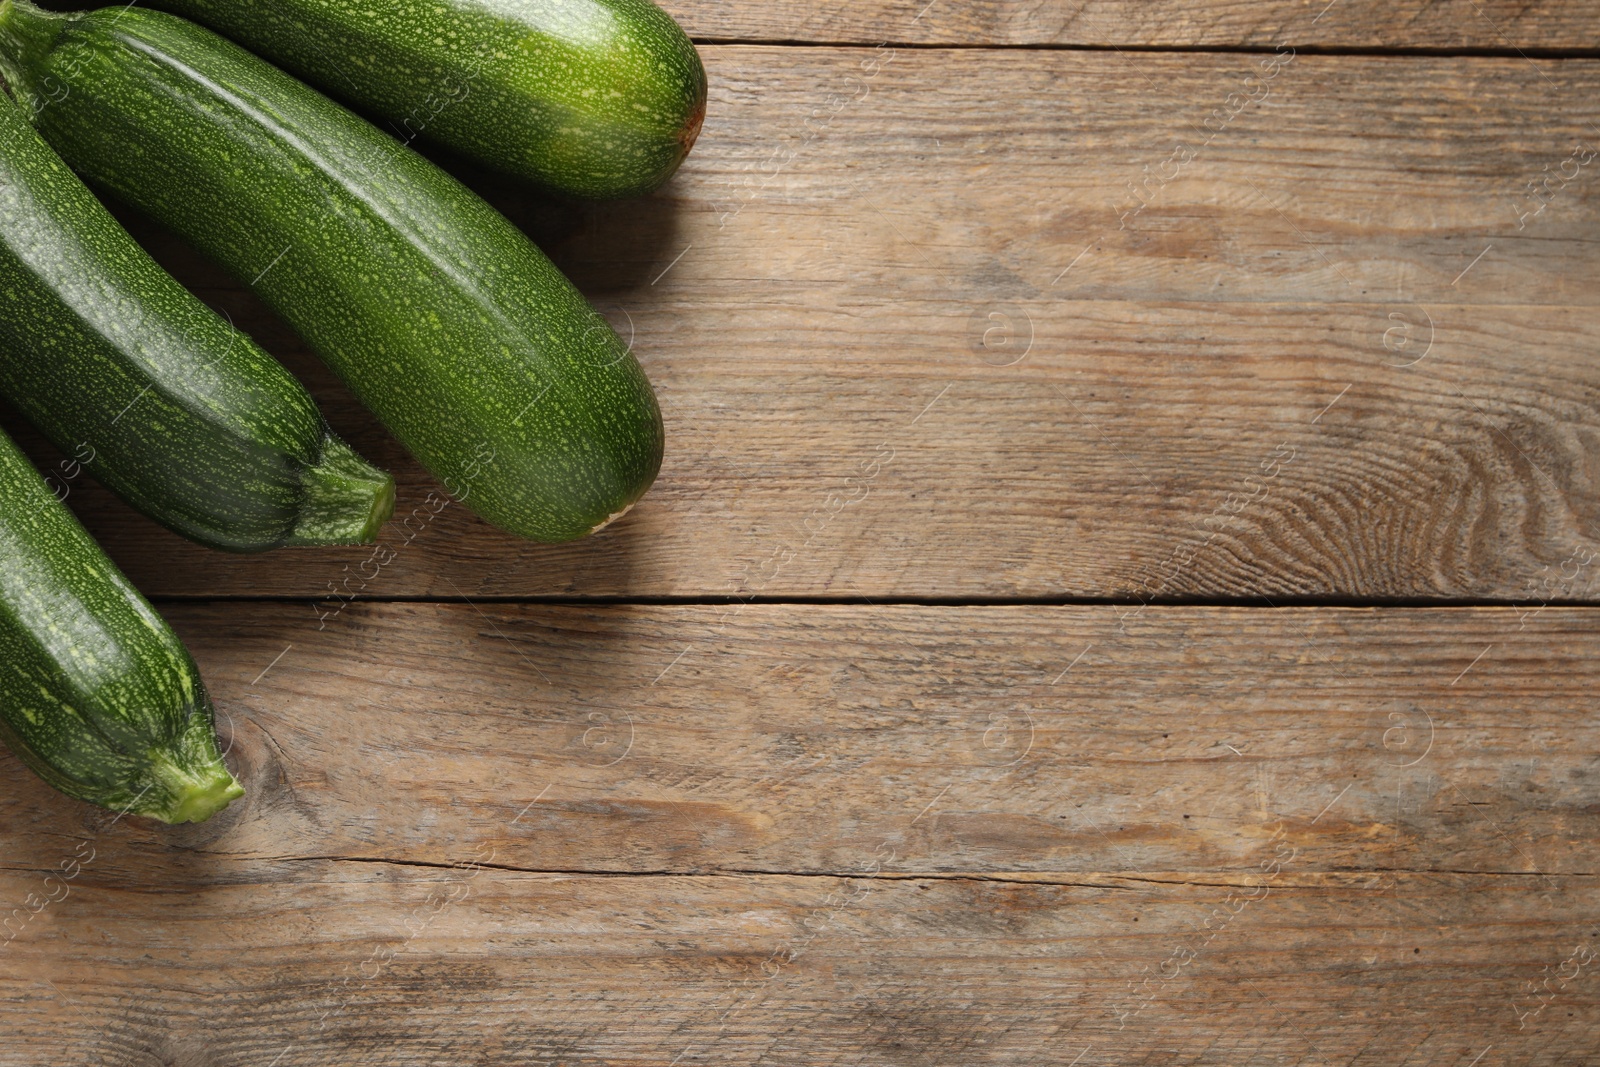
(1121, 591)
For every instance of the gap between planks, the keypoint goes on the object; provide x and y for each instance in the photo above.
(1279, 603)
(1398, 52)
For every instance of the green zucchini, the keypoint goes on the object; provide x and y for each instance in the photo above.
(97, 694)
(590, 98)
(442, 317)
(125, 370)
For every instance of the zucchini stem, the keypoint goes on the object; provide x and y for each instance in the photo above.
(26, 32)
(187, 794)
(347, 500)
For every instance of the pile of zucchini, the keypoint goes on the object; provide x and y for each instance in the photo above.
(461, 337)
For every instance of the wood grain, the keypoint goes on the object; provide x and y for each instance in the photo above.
(1217, 24)
(928, 323)
(407, 966)
(1322, 361)
(841, 835)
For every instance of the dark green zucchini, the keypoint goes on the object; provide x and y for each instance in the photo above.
(97, 694)
(443, 318)
(592, 98)
(174, 410)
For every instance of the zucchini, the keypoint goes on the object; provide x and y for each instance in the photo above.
(590, 98)
(97, 694)
(442, 317)
(174, 410)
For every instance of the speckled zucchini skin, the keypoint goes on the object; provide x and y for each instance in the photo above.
(97, 694)
(137, 380)
(443, 318)
(591, 98)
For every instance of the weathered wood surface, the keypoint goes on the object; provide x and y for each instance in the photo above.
(903, 835)
(1501, 25)
(945, 323)
(409, 967)
(1322, 359)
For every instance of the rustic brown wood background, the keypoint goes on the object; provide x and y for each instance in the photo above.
(1121, 591)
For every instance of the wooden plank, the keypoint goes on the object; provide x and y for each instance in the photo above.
(406, 966)
(822, 835)
(635, 739)
(1219, 24)
(911, 344)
